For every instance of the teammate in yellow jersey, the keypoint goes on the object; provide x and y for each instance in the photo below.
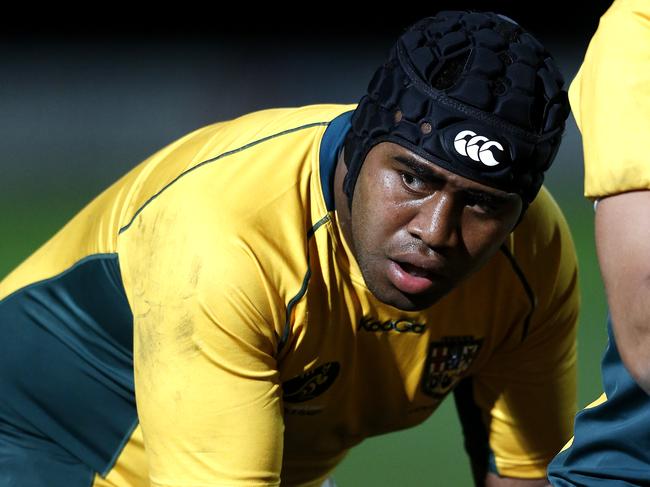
(264, 293)
(611, 100)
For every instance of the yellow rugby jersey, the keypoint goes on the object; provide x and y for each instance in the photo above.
(615, 127)
(257, 353)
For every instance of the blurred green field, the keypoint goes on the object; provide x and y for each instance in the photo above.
(431, 454)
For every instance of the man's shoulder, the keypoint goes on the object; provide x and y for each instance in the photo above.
(542, 245)
(543, 223)
(244, 199)
(610, 100)
(268, 122)
(244, 164)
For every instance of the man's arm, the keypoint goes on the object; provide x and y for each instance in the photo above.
(477, 443)
(611, 103)
(206, 377)
(623, 244)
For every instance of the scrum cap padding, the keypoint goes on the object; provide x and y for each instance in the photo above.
(471, 92)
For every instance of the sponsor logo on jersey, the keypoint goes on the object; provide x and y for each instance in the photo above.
(447, 361)
(477, 147)
(399, 326)
(311, 384)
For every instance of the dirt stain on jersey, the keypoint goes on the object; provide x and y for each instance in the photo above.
(195, 273)
(184, 335)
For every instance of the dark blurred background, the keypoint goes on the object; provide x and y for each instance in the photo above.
(87, 94)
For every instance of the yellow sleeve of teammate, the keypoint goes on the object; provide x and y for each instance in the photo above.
(615, 127)
(528, 390)
(205, 339)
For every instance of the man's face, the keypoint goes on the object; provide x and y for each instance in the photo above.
(418, 230)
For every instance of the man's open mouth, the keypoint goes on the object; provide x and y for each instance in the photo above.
(409, 278)
(415, 270)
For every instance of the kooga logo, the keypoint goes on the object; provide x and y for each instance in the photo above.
(399, 326)
(476, 147)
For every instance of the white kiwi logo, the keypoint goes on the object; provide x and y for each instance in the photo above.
(477, 147)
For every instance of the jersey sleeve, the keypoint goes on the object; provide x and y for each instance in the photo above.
(205, 343)
(610, 99)
(526, 394)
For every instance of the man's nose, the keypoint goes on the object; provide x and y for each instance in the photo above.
(437, 221)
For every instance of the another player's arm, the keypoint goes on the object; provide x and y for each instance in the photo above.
(623, 244)
(612, 106)
(610, 101)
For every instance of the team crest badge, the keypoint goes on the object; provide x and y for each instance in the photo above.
(447, 361)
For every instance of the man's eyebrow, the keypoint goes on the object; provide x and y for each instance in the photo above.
(422, 169)
(485, 196)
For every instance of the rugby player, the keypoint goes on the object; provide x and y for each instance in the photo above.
(261, 295)
(611, 103)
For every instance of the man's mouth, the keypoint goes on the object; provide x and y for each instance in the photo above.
(409, 278)
(414, 270)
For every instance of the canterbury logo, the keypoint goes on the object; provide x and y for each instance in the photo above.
(476, 147)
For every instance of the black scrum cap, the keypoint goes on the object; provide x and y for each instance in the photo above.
(472, 92)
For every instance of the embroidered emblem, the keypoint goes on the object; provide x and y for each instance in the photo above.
(447, 361)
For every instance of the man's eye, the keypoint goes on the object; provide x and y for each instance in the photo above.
(413, 182)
